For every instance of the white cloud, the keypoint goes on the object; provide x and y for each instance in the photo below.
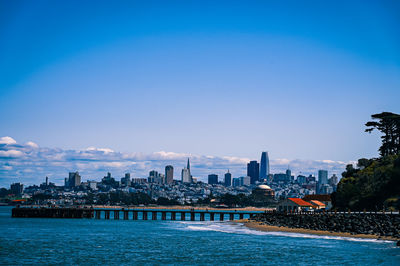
(30, 163)
(170, 155)
(11, 153)
(280, 161)
(105, 150)
(7, 140)
(236, 160)
(32, 144)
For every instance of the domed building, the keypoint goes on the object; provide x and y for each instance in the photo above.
(264, 191)
(263, 196)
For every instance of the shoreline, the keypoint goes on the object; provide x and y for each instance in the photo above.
(269, 228)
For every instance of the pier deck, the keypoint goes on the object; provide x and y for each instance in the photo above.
(133, 214)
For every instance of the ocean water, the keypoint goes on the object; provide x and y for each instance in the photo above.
(120, 242)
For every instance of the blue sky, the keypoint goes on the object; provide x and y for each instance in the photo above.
(205, 78)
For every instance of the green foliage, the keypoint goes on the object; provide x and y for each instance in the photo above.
(389, 125)
(374, 185)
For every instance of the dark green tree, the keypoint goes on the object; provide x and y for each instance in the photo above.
(389, 125)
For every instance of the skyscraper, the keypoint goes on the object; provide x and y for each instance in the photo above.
(236, 182)
(17, 188)
(288, 175)
(126, 181)
(212, 179)
(264, 167)
(322, 180)
(253, 170)
(186, 175)
(323, 177)
(228, 179)
(169, 174)
(333, 180)
(74, 179)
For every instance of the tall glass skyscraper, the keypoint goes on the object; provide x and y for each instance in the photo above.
(322, 180)
(323, 176)
(253, 170)
(264, 167)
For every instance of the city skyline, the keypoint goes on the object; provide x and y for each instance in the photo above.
(30, 163)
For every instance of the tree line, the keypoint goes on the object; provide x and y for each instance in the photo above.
(374, 184)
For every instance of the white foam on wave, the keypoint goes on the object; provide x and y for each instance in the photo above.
(239, 228)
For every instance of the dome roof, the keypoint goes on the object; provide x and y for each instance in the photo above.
(263, 187)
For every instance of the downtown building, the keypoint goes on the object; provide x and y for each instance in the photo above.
(253, 170)
(73, 180)
(322, 183)
(264, 166)
(186, 176)
(228, 179)
(212, 179)
(169, 174)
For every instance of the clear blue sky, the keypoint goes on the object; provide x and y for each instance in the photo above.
(296, 78)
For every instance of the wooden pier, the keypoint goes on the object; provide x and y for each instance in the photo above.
(132, 214)
(52, 213)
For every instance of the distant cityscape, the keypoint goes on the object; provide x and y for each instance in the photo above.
(187, 190)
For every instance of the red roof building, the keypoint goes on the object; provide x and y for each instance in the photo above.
(301, 202)
(293, 205)
(317, 204)
(323, 198)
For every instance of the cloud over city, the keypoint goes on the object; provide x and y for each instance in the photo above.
(30, 163)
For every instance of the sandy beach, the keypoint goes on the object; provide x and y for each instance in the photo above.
(269, 228)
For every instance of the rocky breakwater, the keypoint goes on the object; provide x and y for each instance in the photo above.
(379, 225)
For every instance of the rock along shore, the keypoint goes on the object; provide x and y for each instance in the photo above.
(385, 226)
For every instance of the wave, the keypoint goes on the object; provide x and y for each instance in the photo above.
(239, 228)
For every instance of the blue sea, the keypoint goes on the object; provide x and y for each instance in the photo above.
(120, 242)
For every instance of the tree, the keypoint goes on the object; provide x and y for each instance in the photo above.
(375, 183)
(388, 124)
